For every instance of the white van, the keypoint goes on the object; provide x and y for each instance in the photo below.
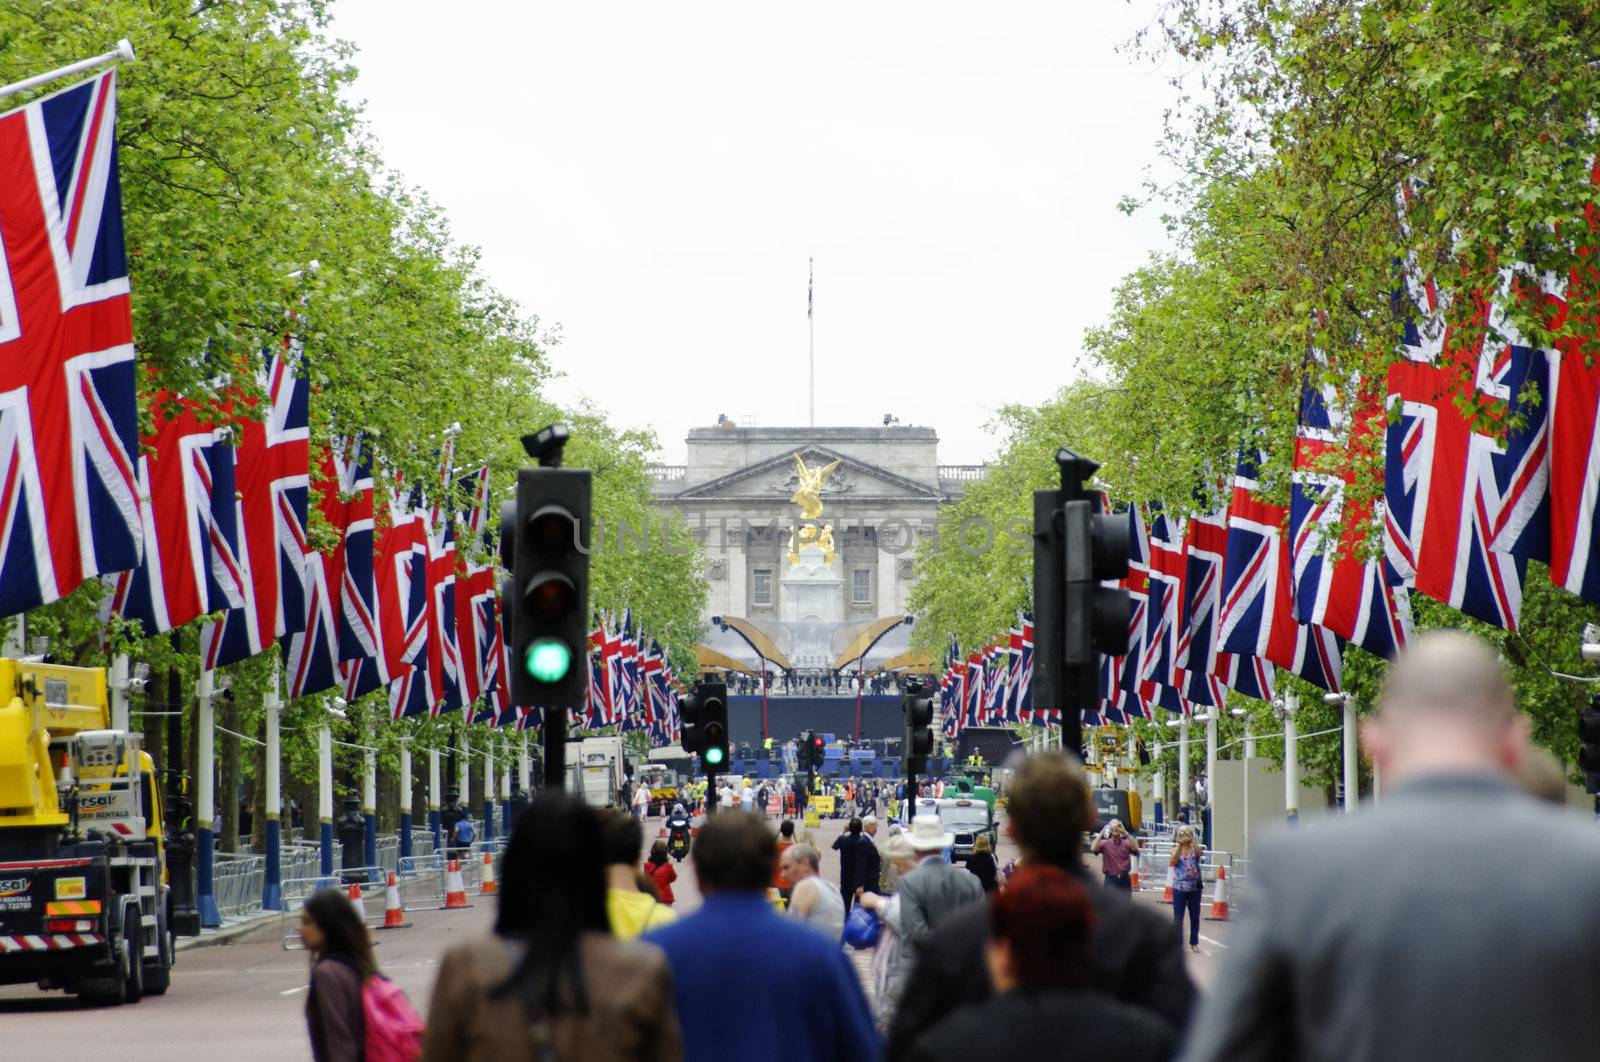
(966, 818)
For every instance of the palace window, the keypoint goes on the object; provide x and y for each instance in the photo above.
(861, 586)
(761, 587)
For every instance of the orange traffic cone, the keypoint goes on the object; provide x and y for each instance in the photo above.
(487, 888)
(1133, 875)
(394, 913)
(1219, 899)
(354, 892)
(455, 891)
(1166, 896)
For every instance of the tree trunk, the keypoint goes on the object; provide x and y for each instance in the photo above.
(388, 801)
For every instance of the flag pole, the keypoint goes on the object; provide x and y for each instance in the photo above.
(811, 340)
(123, 51)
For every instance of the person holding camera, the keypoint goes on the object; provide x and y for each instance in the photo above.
(1117, 851)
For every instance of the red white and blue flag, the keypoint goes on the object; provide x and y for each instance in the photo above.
(1550, 472)
(1336, 585)
(191, 562)
(273, 476)
(1257, 599)
(69, 489)
(1441, 489)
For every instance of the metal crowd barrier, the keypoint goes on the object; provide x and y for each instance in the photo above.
(388, 851)
(421, 842)
(237, 882)
(371, 881)
(1152, 860)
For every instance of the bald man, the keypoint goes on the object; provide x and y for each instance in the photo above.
(1459, 920)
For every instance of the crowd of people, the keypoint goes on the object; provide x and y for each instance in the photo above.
(813, 682)
(1402, 932)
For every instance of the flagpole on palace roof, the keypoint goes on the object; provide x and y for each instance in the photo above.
(123, 51)
(811, 340)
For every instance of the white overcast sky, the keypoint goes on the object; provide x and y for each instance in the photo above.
(652, 175)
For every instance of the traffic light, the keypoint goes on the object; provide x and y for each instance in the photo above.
(1589, 745)
(713, 698)
(550, 603)
(1077, 548)
(916, 728)
(818, 749)
(689, 721)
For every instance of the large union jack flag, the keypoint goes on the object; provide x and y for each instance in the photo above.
(69, 490)
(1335, 585)
(273, 461)
(336, 629)
(1550, 473)
(1257, 603)
(1442, 491)
(191, 559)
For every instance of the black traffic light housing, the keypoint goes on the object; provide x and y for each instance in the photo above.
(1077, 548)
(713, 740)
(916, 727)
(689, 721)
(1589, 746)
(547, 611)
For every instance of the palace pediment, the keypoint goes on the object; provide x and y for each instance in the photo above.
(775, 480)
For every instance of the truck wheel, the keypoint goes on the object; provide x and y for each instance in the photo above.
(133, 939)
(108, 988)
(158, 972)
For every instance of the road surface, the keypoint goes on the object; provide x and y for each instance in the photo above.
(243, 1001)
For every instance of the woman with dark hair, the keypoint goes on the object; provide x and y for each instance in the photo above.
(552, 984)
(332, 931)
(1038, 959)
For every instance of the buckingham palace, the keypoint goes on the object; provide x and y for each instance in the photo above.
(810, 534)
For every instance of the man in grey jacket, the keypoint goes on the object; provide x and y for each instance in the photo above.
(1458, 920)
(931, 890)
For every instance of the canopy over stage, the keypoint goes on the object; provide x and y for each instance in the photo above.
(789, 717)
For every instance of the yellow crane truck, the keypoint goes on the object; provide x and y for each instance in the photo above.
(83, 896)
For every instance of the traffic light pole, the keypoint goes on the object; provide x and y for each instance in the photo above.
(711, 793)
(555, 747)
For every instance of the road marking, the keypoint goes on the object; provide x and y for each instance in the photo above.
(1208, 940)
(292, 991)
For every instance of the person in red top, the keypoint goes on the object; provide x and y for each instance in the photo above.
(780, 881)
(662, 872)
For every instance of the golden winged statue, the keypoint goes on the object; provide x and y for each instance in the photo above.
(808, 497)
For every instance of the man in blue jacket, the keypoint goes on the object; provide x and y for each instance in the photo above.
(751, 984)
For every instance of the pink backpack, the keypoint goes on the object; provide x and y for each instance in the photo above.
(394, 1029)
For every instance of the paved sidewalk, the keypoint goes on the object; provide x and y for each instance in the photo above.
(232, 928)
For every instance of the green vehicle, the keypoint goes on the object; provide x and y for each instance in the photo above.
(973, 784)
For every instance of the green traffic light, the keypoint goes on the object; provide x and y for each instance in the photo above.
(713, 756)
(548, 660)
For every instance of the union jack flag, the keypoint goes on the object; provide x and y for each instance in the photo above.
(69, 487)
(1205, 545)
(475, 620)
(273, 463)
(1550, 473)
(1336, 587)
(616, 699)
(594, 706)
(186, 496)
(1166, 571)
(1011, 708)
(972, 704)
(1441, 489)
(497, 669)
(360, 632)
(444, 653)
(1257, 603)
(396, 567)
